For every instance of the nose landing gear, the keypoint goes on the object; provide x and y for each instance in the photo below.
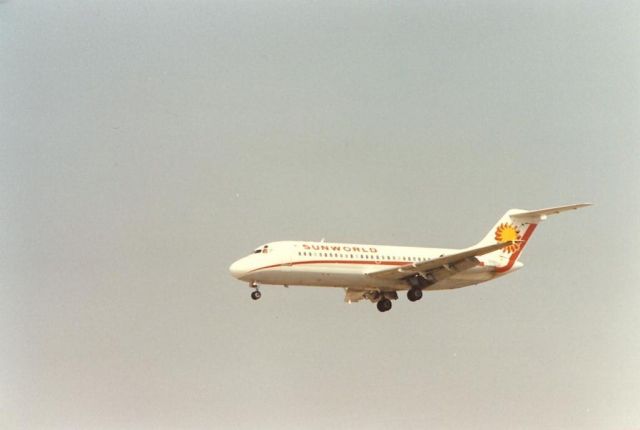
(255, 295)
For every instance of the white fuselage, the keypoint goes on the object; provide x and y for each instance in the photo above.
(345, 265)
(378, 272)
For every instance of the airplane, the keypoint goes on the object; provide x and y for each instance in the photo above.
(378, 272)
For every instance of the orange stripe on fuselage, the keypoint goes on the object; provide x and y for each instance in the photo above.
(364, 262)
(502, 269)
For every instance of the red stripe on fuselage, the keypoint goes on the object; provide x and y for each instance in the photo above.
(364, 262)
(502, 269)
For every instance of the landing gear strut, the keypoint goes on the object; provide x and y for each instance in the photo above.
(384, 304)
(255, 295)
(414, 294)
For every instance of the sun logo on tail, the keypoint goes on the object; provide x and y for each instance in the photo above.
(508, 232)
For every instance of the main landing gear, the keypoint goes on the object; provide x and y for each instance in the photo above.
(383, 299)
(384, 304)
(414, 294)
(417, 283)
(255, 295)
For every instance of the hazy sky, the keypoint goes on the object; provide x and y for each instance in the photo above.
(144, 146)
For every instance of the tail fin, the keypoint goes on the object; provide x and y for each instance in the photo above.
(517, 225)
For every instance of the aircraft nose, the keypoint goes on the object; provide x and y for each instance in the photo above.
(237, 269)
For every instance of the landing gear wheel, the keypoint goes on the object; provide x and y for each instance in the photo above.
(414, 294)
(384, 305)
(256, 295)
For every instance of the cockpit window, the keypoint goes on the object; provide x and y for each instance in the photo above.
(257, 251)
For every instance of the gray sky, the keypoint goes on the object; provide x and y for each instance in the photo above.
(144, 146)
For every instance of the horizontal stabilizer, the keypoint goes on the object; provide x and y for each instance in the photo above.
(542, 213)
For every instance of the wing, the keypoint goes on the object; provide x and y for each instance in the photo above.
(441, 266)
